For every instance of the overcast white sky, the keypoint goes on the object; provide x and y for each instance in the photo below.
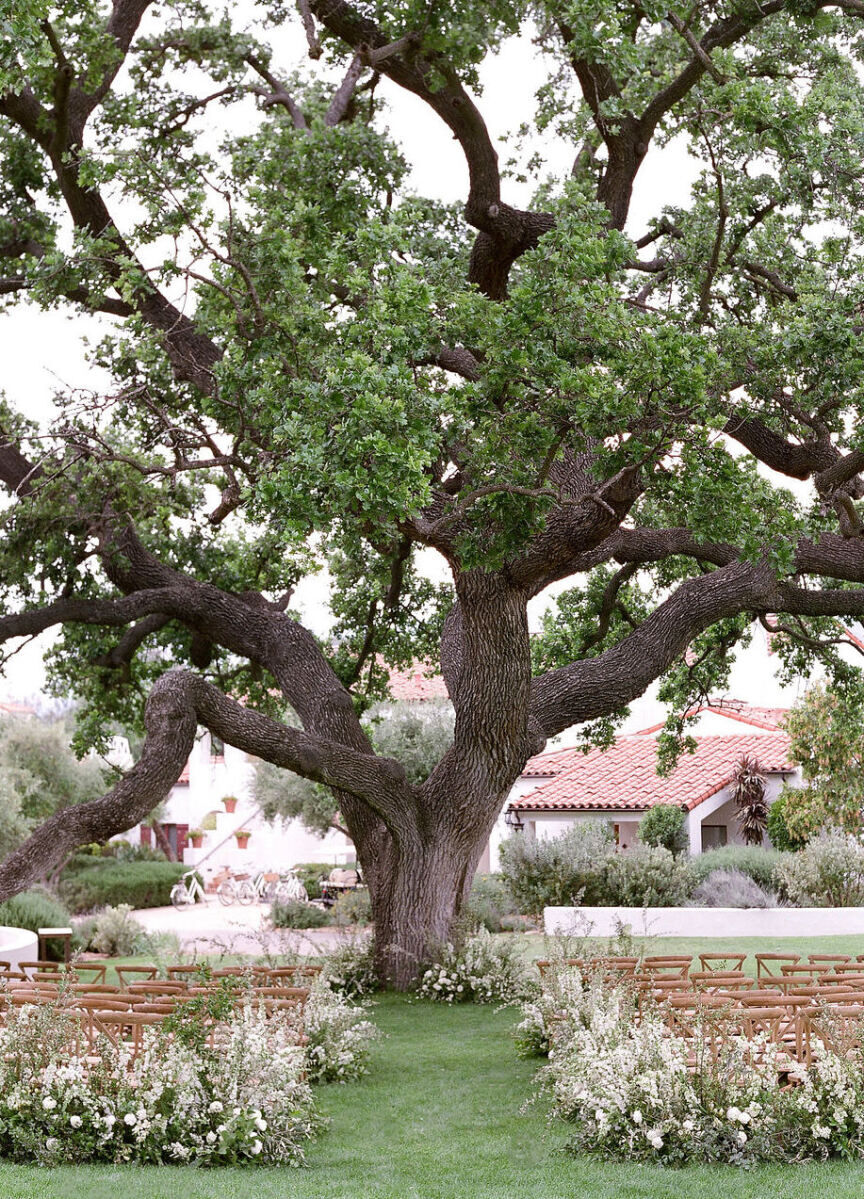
(41, 353)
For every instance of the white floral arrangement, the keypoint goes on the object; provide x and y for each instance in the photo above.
(339, 1036)
(244, 1100)
(629, 1091)
(484, 969)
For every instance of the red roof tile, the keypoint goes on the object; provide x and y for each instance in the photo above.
(625, 777)
(735, 709)
(416, 683)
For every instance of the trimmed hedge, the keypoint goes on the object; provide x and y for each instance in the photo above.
(140, 884)
(34, 910)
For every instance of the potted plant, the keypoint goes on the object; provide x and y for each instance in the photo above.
(230, 802)
(242, 835)
(196, 837)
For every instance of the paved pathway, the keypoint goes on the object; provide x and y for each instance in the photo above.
(210, 927)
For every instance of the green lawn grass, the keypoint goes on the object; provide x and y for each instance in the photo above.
(439, 1117)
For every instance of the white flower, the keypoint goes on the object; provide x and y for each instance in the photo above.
(637, 1117)
(261, 1125)
(656, 1140)
(49, 1103)
(742, 1137)
(131, 1119)
(732, 1113)
(75, 1121)
(215, 1106)
(256, 1148)
(51, 1144)
(210, 1138)
(688, 1125)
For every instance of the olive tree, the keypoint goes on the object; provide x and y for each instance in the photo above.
(312, 364)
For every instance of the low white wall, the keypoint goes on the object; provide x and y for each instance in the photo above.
(17, 945)
(706, 922)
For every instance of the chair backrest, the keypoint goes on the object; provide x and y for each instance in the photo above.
(184, 971)
(799, 971)
(156, 987)
(769, 964)
(100, 1003)
(94, 971)
(291, 972)
(840, 959)
(295, 994)
(128, 974)
(713, 980)
(93, 989)
(722, 961)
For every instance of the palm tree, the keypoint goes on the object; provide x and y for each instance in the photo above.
(749, 792)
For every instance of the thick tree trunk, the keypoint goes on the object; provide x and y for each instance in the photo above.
(416, 905)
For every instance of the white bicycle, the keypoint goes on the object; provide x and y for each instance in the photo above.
(187, 890)
(237, 890)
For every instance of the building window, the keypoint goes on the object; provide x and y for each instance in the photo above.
(713, 836)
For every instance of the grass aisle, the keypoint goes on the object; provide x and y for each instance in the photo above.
(438, 1118)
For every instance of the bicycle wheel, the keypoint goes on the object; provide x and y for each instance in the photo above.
(227, 893)
(295, 889)
(246, 893)
(179, 896)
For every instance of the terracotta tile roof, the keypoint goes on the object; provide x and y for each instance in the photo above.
(735, 709)
(625, 777)
(550, 763)
(417, 683)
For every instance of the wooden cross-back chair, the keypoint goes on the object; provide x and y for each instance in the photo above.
(88, 971)
(768, 965)
(130, 974)
(829, 959)
(722, 961)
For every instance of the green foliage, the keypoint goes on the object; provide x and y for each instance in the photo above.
(665, 825)
(647, 876)
(352, 908)
(828, 872)
(415, 735)
(783, 821)
(490, 904)
(39, 774)
(826, 729)
(34, 910)
(759, 864)
(559, 871)
(139, 884)
(114, 931)
(296, 914)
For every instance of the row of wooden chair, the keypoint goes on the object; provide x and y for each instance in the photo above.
(95, 972)
(768, 965)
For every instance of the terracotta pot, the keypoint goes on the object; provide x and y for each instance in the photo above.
(197, 841)
(230, 804)
(242, 840)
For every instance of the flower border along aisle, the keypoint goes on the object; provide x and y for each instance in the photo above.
(240, 1098)
(633, 1090)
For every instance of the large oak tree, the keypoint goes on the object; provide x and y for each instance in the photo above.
(312, 363)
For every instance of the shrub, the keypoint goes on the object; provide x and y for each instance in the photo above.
(627, 1090)
(339, 1036)
(140, 884)
(35, 910)
(648, 876)
(310, 875)
(297, 914)
(758, 863)
(491, 906)
(828, 872)
(732, 889)
(350, 968)
(352, 907)
(665, 825)
(482, 970)
(781, 835)
(114, 931)
(176, 1102)
(559, 871)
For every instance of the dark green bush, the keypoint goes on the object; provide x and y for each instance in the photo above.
(310, 875)
(35, 910)
(665, 825)
(140, 884)
(296, 914)
(760, 864)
